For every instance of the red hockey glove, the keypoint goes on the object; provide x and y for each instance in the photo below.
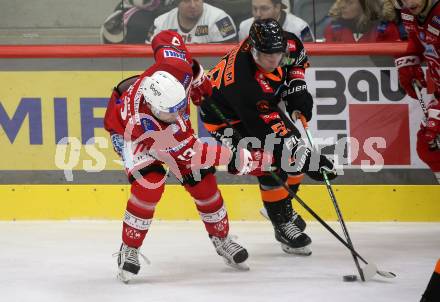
(432, 129)
(200, 86)
(409, 69)
(244, 162)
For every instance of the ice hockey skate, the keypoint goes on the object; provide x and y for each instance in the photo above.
(292, 239)
(296, 218)
(128, 262)
(233, 254)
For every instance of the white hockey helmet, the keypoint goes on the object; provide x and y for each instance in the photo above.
(165, 94)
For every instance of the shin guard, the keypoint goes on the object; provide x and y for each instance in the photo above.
(209, 203)
(140, 210)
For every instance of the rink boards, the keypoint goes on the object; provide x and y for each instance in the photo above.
(357, 202)
(47, 100)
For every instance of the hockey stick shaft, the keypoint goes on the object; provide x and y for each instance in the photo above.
(424, 109)
(291, 193)
(420, 99)
(333, 198)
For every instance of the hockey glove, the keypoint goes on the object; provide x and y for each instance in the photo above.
(118, 144)
(432, 128)
(325, 165)
(244, 162)
(409, 69)
(297, 98)
(313, 164)
(200, 86)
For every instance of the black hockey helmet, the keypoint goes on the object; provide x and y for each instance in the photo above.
(266, 35)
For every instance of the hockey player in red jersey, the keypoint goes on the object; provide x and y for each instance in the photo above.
(147, 118)
(245, 85)
(421, 19)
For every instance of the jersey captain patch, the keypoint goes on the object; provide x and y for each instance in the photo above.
(225, 27)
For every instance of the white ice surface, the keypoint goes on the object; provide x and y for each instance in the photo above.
(71, 261)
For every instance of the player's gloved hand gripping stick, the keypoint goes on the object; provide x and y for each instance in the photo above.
(370, 269)
(425, 111)
(337, 209)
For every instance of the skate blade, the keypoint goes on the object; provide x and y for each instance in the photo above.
(239, 266)
(301, 251)
(124, 276)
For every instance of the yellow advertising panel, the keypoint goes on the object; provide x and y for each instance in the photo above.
(39, 109)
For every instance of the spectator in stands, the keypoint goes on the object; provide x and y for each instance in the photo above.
(197, 22)
(362, 21)
(131, 19)
(264, 9)
(315, 13)
(239, 10)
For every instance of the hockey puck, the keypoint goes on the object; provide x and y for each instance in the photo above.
(349, 278)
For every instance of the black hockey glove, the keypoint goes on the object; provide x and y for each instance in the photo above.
(325, 165)
(313, 164)
(297, 98)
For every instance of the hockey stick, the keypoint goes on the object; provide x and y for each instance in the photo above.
(333, 198)
(423, 106)
(370, 269)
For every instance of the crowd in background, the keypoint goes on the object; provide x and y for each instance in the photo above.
(220, 21)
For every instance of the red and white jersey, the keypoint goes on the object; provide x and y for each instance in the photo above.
(171, 55)
(424, 39)
(130, 116)
(215, 25)
(150, 140)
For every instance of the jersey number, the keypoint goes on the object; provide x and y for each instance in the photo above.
(224, 70)
(186, 155)
(280, 128)
(216, 74)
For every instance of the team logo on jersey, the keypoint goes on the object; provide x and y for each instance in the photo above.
(225, 27)
(168, 53)
(263, 106)
(421, 35)
(201, 30)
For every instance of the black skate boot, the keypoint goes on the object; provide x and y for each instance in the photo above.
(234, 254)
(292, 239)
(296, 218)
(128, 262)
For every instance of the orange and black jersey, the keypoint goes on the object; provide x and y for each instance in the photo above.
(247, 95)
